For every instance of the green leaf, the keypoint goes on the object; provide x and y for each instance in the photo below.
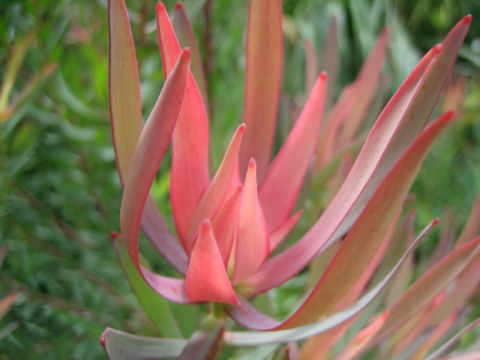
(156, 306)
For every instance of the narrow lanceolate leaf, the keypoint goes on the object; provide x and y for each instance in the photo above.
(186, 38)
(155, 306)
(472, 228)
(387, 200)
(286, 264)
(250, 338)
(146, 160)
(285, 175)
(120, 345)
(225, 179)
(365, 85)
(207, 278)
(189, 173)
(263, 80)
(424, 290)
(124, 84)
(334, 122)
(126, 117)
(252, 244)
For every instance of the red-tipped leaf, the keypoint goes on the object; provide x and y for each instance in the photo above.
(225, 179)
(207, 278)
(146, 160)
(281, 185)
(186, 38)
(189, 173)
(252, 244)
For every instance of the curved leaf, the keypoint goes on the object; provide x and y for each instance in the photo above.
(120, 345)
(149, 152)
(285, 175)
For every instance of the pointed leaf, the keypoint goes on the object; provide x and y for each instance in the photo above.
(226, 178)
(285, 175)
(120, 345)
(263, 80)
(365, 87)
(189, 174)
(207, 278)
(126, 117)
(252, 237)
(146, 160)
(186, 38)
(124, 84)
(334, 122)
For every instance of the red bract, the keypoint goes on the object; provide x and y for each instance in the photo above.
(228, 226)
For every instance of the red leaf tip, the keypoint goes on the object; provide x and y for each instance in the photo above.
(205, 226)
(435, 221)
(241, 128)
(160, 7)
(252, 165)
(102, 338)
(467, 19)
(323, 75)
(185, 56)
(178, 6)
(437, 49)
(114, 235)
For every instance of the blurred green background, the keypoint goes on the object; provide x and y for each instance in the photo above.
(59, 190)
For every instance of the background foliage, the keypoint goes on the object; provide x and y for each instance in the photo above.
(59, 191)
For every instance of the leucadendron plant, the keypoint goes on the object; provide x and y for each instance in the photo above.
(229, 226)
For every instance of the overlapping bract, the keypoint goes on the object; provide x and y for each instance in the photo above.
(228, 226)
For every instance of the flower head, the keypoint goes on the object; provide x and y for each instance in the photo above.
(229, 225)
